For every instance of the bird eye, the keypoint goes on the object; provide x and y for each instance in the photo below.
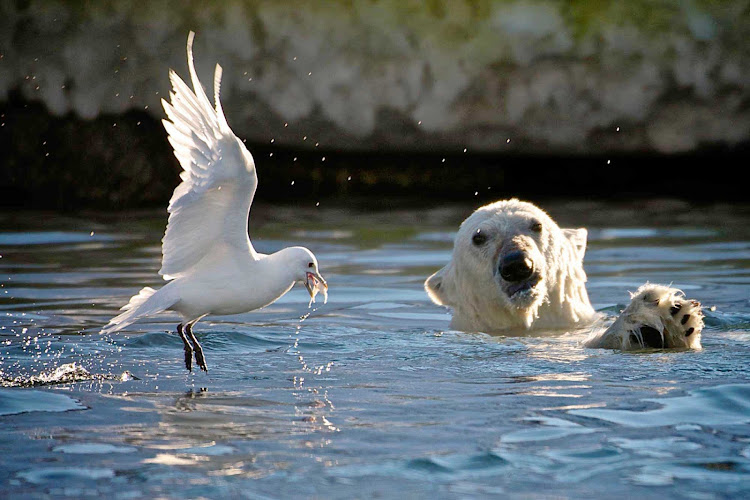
(478, 239)
(310, 264)
(536, 226)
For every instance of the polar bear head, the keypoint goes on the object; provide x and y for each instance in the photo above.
(513, 267)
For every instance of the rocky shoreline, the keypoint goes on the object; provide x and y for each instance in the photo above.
(125, 162)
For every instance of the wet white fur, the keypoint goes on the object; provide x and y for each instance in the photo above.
(468, 286)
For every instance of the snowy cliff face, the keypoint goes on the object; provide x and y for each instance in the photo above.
(576, 76)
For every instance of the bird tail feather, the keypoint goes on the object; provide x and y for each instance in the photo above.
(147, 302)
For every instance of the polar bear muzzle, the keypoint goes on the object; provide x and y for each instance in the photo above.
(516, 267)
(517, 274)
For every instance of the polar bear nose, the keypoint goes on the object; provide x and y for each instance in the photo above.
(516, 266)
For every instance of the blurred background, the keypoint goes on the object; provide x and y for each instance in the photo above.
(420, 100)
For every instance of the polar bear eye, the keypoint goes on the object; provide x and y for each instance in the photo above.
(536, 226)
(478, 239)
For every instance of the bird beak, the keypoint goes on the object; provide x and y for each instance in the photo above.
(314, 284)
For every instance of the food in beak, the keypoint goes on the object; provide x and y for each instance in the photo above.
(314, 284)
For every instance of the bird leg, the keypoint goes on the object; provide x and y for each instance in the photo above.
(196, 348)
(188, 348)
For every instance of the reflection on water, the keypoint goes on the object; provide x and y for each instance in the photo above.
(16, 402)
(726, 404)
(370, 394)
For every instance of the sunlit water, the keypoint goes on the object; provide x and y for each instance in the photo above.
(371, 394)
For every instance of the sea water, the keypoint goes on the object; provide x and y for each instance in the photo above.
(372, 394)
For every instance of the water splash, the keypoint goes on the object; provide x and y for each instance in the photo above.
(320, 401)
(63, 374)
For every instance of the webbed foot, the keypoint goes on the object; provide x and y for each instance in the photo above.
(197, 349)
(187, 346)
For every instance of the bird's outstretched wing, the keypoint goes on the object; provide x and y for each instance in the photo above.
(210, 207)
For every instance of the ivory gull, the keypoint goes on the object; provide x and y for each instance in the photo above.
(207, 256)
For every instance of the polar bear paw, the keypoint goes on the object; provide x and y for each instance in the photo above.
(657, 317)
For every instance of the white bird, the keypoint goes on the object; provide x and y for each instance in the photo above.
(207, 256)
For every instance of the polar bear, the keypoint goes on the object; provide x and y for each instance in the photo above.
(514, 269)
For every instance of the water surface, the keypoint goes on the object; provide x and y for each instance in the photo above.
(370, 394)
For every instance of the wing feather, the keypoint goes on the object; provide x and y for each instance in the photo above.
(210, 207)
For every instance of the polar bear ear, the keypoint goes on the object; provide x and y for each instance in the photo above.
(578, 238)
(440, 288)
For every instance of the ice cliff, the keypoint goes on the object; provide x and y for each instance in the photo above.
(578, 76)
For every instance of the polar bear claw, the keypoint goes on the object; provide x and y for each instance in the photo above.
(657, 317)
